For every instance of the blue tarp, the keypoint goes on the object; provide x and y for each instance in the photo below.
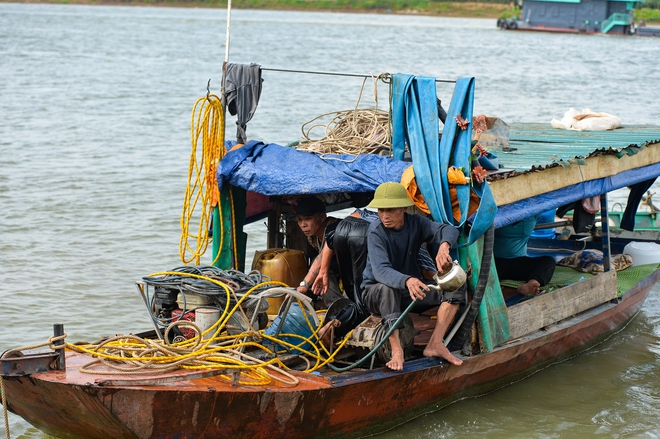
(513, 212)
(272, 169)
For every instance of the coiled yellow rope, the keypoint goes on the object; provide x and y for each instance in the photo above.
(213, 349)
(207, 123)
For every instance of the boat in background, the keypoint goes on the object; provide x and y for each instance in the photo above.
(608, 17)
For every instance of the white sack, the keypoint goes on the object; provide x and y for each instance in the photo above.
(586, 121)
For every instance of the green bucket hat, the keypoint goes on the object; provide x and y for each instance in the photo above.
(390, 195)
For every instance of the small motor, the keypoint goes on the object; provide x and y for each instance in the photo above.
(164, 302)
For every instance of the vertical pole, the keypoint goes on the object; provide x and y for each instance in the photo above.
(218, 226)
(228, 30)
(604, 220)
(58, 330)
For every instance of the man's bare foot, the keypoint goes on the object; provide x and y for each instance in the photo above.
(532, 287)
(396, 363)
(442, 352)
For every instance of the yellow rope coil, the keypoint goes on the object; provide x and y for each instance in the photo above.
(213, 349)
(207, 124)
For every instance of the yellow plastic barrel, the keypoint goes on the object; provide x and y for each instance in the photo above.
(280, 264)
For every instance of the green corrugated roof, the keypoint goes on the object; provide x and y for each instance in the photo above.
(539, 144)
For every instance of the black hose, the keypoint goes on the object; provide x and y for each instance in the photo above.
(382, 341)
(466, 327)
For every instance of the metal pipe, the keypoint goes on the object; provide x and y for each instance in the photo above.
(354, 75)
(140, 288)
(58, 331)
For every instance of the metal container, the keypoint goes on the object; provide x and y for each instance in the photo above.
(281, 264)
(453, 279)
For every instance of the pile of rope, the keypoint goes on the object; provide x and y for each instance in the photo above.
(216, 349)
(357, 131)
(207, 125)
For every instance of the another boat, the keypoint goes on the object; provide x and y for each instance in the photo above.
(609, 17)
(68, 395)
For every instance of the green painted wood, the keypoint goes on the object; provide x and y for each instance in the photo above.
(492, 319)
(240, 204)
(222, 231)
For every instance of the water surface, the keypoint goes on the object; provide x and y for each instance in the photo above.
(95, 105)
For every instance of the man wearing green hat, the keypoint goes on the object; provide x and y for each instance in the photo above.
(392, 277)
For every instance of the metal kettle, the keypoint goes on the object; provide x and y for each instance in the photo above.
(452, 280)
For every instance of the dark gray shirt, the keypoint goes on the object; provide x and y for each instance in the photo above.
(392, 254)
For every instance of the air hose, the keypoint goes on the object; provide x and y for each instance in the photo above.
(484, 273)
(380, 343)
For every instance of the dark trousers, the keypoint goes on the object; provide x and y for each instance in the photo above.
(388, 302)
(526, 268)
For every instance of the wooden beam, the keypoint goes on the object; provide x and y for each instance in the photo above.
(536, 313)
(529, 185)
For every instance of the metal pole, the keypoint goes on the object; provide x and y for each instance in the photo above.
(228, 30)
(58, 330)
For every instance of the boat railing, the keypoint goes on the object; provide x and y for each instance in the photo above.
(616, 19)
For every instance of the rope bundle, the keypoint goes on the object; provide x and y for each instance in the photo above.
(364, 131)
(214, 349)
(208, 122)
(355, 132)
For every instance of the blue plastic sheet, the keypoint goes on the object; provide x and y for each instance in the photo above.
(514, 212)
(272, 169)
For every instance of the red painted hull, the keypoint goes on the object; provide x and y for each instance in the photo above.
(74, 405)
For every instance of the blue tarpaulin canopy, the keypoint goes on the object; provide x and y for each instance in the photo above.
(272, 169)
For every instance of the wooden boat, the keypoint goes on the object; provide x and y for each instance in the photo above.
(501, 344)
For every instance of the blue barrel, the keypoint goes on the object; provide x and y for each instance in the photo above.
(294, 323)
(546, 217)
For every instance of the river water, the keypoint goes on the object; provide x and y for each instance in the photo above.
(95, 107)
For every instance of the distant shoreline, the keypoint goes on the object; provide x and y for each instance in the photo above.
(472, 9)
(441, 9)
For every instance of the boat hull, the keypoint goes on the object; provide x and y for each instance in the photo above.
(90, 406)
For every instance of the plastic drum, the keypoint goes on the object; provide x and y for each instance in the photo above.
(643, 252)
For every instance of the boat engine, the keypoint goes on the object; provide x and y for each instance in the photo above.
(164, 302)
(371, 331)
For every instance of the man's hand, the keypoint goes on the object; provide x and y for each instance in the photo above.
(321, 284)
(416, 288)
(442, 259)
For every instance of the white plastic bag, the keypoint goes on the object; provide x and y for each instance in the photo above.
(586, 121)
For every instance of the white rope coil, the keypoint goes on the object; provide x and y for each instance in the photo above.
(357, 131)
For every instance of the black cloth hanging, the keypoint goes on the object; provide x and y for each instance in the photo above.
(583, 221)
(243, 90)
(634, 197)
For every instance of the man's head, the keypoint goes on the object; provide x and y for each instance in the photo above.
(391, 200)
(310, 213)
